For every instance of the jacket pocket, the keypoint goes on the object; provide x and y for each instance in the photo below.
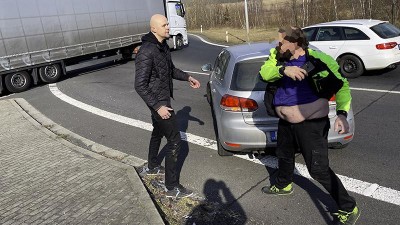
(326, 86)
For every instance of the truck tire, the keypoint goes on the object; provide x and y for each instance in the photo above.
(18, 81)
(179, 42)
(351, 66)
(50, 73)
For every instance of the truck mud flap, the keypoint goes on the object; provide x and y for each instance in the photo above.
(1, 85)
(35, 76)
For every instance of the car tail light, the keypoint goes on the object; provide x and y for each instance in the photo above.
(389, 45)
(238, 104)
(332, 101)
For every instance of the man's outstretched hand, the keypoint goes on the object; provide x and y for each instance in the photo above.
(193, 82)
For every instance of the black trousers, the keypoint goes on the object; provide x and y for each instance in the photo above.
(169, 129)
(311, 138)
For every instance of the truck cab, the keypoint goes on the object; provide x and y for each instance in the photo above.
(175, 11)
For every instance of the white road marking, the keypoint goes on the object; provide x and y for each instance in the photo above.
(187, 71)
(357, 186)
(207, 42)
(375, 90)
(6, 96)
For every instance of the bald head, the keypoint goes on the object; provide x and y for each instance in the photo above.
(159, 27)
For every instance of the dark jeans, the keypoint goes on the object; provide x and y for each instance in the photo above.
(310, 137)
(169, 129)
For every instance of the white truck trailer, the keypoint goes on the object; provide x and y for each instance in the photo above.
(39, 38)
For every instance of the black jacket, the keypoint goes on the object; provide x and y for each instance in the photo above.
(155, 71)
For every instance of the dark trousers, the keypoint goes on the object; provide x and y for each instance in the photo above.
(310, 137)
(169, 129)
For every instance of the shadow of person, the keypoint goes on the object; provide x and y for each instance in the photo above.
(322, 200)
(219, 208)
(183, 117)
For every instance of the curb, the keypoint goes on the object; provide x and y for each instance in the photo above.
(61, 133)
(82, 145)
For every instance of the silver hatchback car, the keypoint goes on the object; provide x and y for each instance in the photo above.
(236, 96)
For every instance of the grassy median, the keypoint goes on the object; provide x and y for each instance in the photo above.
(236, 36)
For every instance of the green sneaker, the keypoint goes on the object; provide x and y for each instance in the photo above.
(276, 191)
(347, 218)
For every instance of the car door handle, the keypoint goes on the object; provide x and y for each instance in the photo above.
(332, 47)
(213, 90)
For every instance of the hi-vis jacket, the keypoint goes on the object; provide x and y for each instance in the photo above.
(325, 78)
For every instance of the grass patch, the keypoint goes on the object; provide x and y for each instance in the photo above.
(190, 210)
(237, 36)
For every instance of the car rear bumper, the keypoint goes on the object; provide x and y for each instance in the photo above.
(381, 61)
(249, 138)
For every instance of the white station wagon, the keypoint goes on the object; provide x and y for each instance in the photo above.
(357, 45)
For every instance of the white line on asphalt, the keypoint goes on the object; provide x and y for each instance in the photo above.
(207, 42)
(187, 71)
(6, 96)
(357, 186)
(375, 90)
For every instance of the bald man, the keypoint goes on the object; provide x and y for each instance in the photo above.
(153, 82)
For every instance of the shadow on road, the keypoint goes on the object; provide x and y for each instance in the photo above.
(220, 207)
(183, 117)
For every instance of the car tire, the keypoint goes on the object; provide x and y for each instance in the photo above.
(18, 81)
(222, 151)
(339, 146)
(351, 66)
(178, 42)
(50, 73)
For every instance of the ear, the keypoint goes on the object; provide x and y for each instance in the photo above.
(153, 29)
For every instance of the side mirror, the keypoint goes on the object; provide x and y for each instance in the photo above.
(206, 67)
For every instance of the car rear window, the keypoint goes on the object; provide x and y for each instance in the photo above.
(246, 76)
(386, 30)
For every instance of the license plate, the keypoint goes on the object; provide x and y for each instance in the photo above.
(273, 135)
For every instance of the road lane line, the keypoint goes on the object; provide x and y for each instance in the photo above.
(375, 90)
(187, 71)
(207, 42)
(357, 186)
(6, 96)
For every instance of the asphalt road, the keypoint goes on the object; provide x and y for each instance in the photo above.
(373, 156)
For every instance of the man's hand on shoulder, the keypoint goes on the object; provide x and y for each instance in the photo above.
(193, 82)
(294, 72)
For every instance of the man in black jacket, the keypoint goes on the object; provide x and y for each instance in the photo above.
(153, 82)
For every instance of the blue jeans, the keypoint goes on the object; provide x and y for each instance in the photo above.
(310, 137)
(169, 129)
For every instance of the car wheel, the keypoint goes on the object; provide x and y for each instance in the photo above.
(179, 42)
(50, 73)
(339, 146)
(222, 151)
(18, 82)
(351, 66)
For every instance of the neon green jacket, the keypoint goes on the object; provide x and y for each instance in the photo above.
(326, 78)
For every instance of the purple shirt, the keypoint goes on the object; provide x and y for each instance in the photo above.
(294, 92)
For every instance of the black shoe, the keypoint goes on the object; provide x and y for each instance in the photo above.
(145, 171)
(178, 192)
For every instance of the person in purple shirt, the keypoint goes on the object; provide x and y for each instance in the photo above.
(302, 103)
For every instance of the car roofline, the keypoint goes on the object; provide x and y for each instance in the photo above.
(360, 22)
